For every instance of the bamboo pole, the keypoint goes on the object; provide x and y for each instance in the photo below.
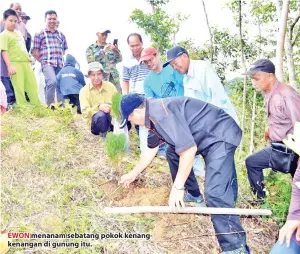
(203, 210)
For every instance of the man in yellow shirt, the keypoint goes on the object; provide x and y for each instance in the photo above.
(95, 100)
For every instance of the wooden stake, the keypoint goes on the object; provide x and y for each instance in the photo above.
(203, 210)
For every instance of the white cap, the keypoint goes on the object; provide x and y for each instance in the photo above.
(95, 66)
(103, 30)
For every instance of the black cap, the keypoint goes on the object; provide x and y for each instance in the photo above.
(263, 65)
(23, 14)
(174, 53)
(129, 103)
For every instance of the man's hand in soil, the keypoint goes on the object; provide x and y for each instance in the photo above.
(287, 231)
(128, 179)
(176, 198)
(145, 160)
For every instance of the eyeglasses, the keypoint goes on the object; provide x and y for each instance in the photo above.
(146, 62)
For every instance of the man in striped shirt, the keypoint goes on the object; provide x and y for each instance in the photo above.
(49, 47)
(134, 75)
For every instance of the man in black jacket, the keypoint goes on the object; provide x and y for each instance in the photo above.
(191, 127)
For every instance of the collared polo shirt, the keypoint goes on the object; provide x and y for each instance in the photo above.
(51, 46)
(202, 83)
(183, 122)
(135, 73)
(283, 109)
(90, 98)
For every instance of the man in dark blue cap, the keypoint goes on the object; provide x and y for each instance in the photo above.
(200, 80)
(191, 127)
(283, 108)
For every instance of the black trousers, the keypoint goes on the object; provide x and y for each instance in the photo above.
(255, 164)
(219, 161)
(74, 100)
(101, 123)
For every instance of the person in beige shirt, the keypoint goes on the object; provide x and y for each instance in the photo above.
(95, 101)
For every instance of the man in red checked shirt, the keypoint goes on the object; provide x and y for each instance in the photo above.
(49, 47)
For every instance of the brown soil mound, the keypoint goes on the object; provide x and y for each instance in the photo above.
(146, 197)
(187, 232)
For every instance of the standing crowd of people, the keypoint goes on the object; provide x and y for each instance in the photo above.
(179, 108)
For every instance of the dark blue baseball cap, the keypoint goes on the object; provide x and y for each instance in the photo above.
(263, 65)
(129, 103)
(174, 53)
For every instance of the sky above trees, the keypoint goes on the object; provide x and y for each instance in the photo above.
(79, 20)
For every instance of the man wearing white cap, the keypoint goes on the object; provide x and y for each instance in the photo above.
(108, 55)
(95, 101)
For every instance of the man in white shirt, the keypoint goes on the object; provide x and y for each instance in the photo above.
(201, 82)
(134, 74)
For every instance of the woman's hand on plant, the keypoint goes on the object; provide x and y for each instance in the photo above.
(128, 179)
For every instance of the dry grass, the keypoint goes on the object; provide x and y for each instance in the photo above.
(55, 178)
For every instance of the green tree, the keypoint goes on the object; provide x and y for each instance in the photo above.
(159, 25)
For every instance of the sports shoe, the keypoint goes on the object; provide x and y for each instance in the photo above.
(162, 154)
(190, 200)
(11, 106)
(103, 134)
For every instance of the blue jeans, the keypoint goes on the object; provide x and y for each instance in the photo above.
(10, 94)
(281, 248)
